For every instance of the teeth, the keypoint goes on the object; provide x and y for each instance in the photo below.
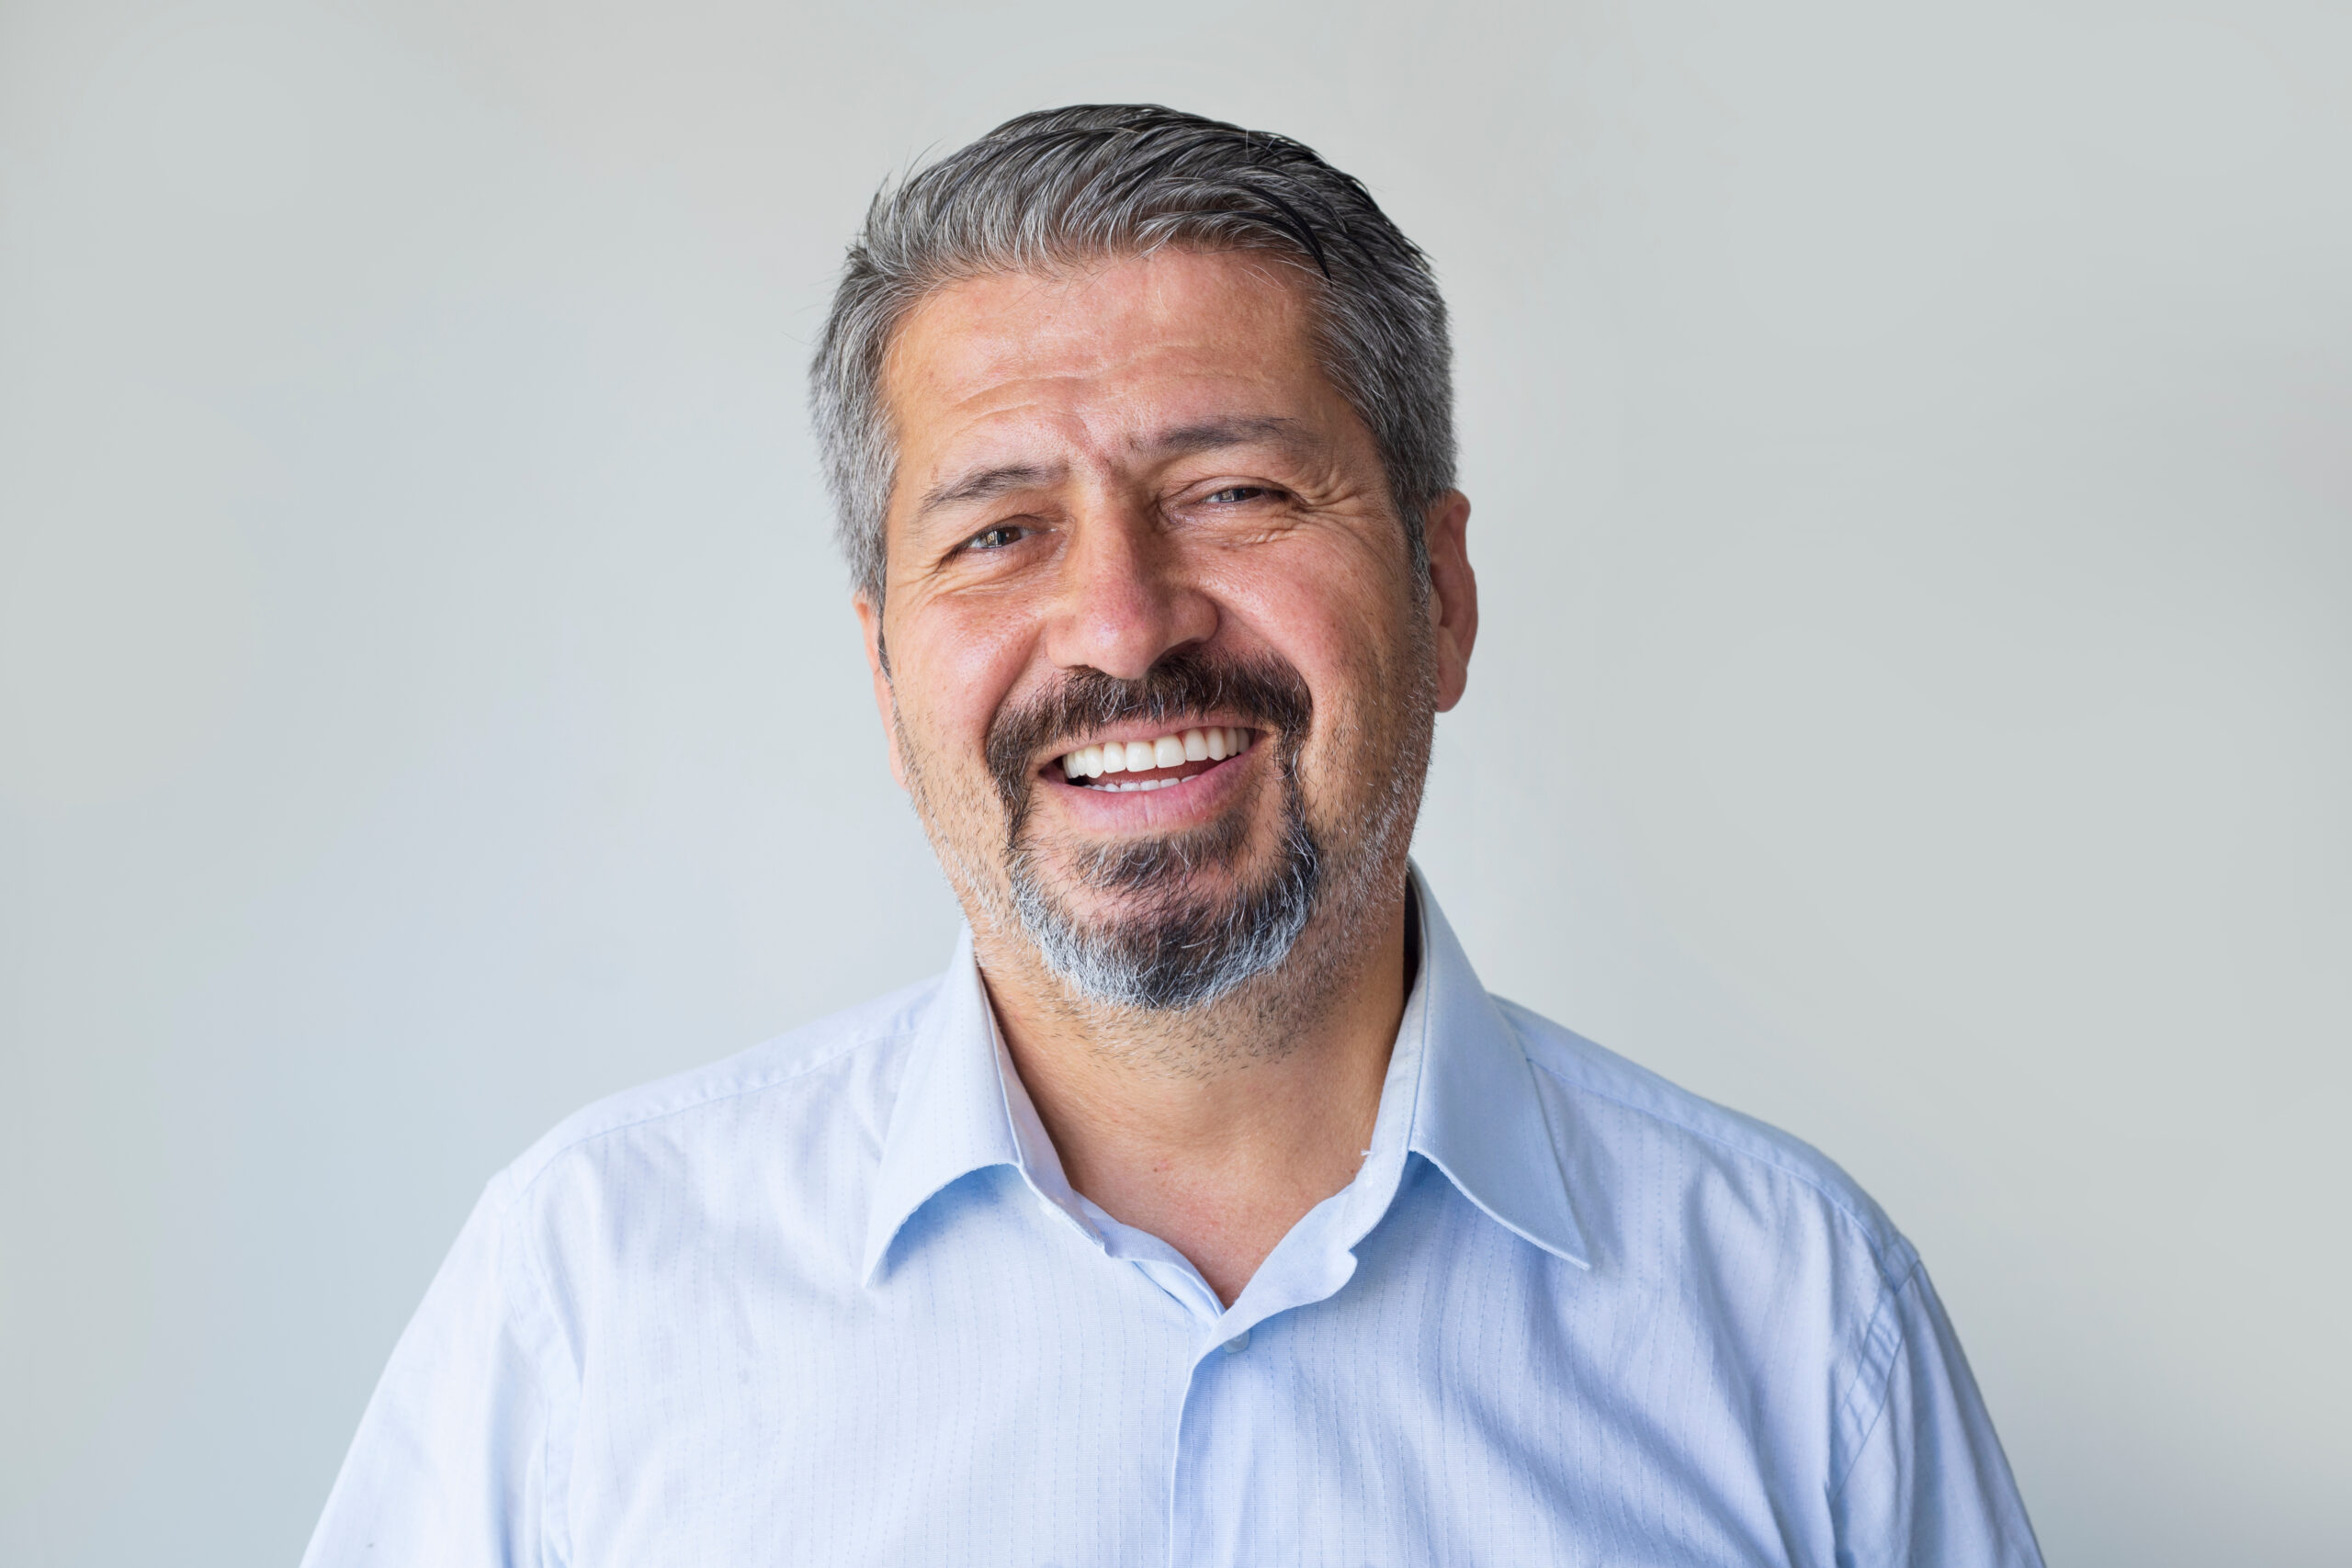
(1204, 745)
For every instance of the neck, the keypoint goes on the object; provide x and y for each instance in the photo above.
(1215, 1129)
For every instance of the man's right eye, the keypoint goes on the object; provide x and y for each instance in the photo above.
(995, 538)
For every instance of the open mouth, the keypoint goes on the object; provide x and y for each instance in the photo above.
(1153, 764)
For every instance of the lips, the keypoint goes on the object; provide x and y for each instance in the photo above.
(1155, 763)
(1096, 735)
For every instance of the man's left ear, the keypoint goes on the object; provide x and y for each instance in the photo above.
(1454, 594)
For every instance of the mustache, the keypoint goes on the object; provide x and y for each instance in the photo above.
(1188, 682)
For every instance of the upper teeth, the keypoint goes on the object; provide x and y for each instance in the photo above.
(1168, 751)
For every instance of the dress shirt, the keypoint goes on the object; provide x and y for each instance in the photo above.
(834, 1302)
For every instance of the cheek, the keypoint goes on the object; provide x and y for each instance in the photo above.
(952, 669)
(1339, 615)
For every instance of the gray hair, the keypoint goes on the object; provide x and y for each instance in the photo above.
(1060, 188)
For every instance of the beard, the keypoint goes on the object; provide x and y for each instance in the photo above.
(1193, 921)
(1172, 947)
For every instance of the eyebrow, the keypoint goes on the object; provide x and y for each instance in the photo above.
(1210, 435)
(985, 485)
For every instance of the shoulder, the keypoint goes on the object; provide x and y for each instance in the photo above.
(827, 1079)
(1638, 1138)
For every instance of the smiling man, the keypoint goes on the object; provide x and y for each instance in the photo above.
(1206, 1210)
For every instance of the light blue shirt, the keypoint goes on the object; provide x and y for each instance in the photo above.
(832, 1302)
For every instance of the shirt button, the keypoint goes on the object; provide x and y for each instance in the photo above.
(1238, 1343)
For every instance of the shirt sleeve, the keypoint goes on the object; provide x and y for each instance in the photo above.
(1928, 1486)
(449, 1467)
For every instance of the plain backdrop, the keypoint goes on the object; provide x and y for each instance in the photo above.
(1912, 448)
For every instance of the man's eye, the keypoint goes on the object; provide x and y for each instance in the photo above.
(1234, 495)
(995, 538)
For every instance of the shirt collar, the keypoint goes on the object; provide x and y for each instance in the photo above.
(1477, 1116)
(951, 1117)
(1467, 1093)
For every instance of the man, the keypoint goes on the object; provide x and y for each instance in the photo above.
(1206, 1210)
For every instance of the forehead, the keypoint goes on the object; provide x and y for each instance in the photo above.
(1093, 354)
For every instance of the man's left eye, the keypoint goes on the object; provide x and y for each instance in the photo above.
(1234, 495)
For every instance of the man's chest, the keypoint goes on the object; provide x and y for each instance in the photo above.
(1462, 1399)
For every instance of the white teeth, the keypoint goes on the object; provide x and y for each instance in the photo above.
(1212, 744)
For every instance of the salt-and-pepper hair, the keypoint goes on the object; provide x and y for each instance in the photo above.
(1065, 187)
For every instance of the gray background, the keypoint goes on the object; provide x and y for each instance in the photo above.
(1911, 458)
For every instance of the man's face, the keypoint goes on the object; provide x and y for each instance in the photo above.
(1158, 674)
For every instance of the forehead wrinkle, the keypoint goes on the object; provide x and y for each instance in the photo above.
(985, 379)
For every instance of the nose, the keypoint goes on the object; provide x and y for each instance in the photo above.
(1124, 597)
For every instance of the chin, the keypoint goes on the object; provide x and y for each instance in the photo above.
(1173, 923)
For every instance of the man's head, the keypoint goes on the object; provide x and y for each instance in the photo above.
(1139, 427)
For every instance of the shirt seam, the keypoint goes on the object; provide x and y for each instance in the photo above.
(760, 1086)
(541, 1307)
(1881, 1368)
(1869, 1233)
(554, 1502)
(534, 1267)
(1869, 1360)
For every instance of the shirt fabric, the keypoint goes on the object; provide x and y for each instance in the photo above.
(832, 1302)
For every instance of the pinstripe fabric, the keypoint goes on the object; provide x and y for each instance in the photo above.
(832, 1302)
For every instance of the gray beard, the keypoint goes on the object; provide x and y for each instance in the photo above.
(1169, 951)
(1172, 952)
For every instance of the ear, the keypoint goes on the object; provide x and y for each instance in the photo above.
(869, 623)
(1453, 594)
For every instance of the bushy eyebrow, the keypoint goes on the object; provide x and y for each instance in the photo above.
(985, 485)
(1210, 435)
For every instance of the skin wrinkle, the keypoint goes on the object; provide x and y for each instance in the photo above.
(1276, 268)
(1161, 928)
(1096, 186)
(1182, 689)
(988, 484)
(1200, 998)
